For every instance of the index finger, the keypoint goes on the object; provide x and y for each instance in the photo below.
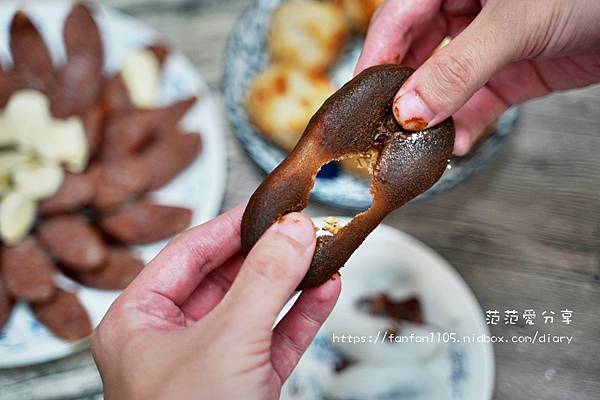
(392, 30)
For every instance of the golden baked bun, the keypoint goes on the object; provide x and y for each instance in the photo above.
(308, 33)
(358, 12)
(283, 98)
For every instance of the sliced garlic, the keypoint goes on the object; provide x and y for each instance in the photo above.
(28, 104)
(11, 159)
(75, 153)
(141, 73)
(8, 134)
(36, 180)
(17, 215)
(27, 112)
(63, 141)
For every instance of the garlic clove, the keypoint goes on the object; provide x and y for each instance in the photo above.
(9, 160)
(27, 112)
(64, 141)
(38, 181)
(28, 104)
(75, 154)
(17, 216)
(141, 74)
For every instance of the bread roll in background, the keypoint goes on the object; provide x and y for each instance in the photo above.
(283, 98)
(307, 33)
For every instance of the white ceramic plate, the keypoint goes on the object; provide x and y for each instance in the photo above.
(200, 187)
(393, 262)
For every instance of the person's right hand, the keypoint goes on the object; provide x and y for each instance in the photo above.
(198, 322)
(502, 52)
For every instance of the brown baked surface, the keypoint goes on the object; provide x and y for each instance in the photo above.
(357, 119)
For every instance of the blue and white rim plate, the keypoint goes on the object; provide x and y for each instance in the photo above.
(200, 187)
(448, 368)
(246, 55)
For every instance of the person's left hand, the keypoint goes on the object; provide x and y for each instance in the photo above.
(198, 321)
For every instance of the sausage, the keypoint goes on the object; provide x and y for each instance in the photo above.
(80, 78)
(171, 115)
(118, 181)
(28, 271)
(129, 131)
(9, 83)
(93, 119)
(175, 153)
(144, 222)
(73, 241)
(75, 191)
(114, 96)
(64, 316)
(120, 269)
(32, 62)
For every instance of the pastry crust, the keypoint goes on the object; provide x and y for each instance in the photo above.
(357, 119)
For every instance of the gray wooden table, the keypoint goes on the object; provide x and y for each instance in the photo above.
(524, 233)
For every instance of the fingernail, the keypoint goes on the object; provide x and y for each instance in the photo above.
(411, 111)
(298, 228)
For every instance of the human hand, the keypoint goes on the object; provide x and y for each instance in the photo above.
(198, 321)
(501, 53)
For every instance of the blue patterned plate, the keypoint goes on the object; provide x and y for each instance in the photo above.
(246, 55)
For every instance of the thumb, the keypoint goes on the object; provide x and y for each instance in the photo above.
(444, 83)
(273, 269)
